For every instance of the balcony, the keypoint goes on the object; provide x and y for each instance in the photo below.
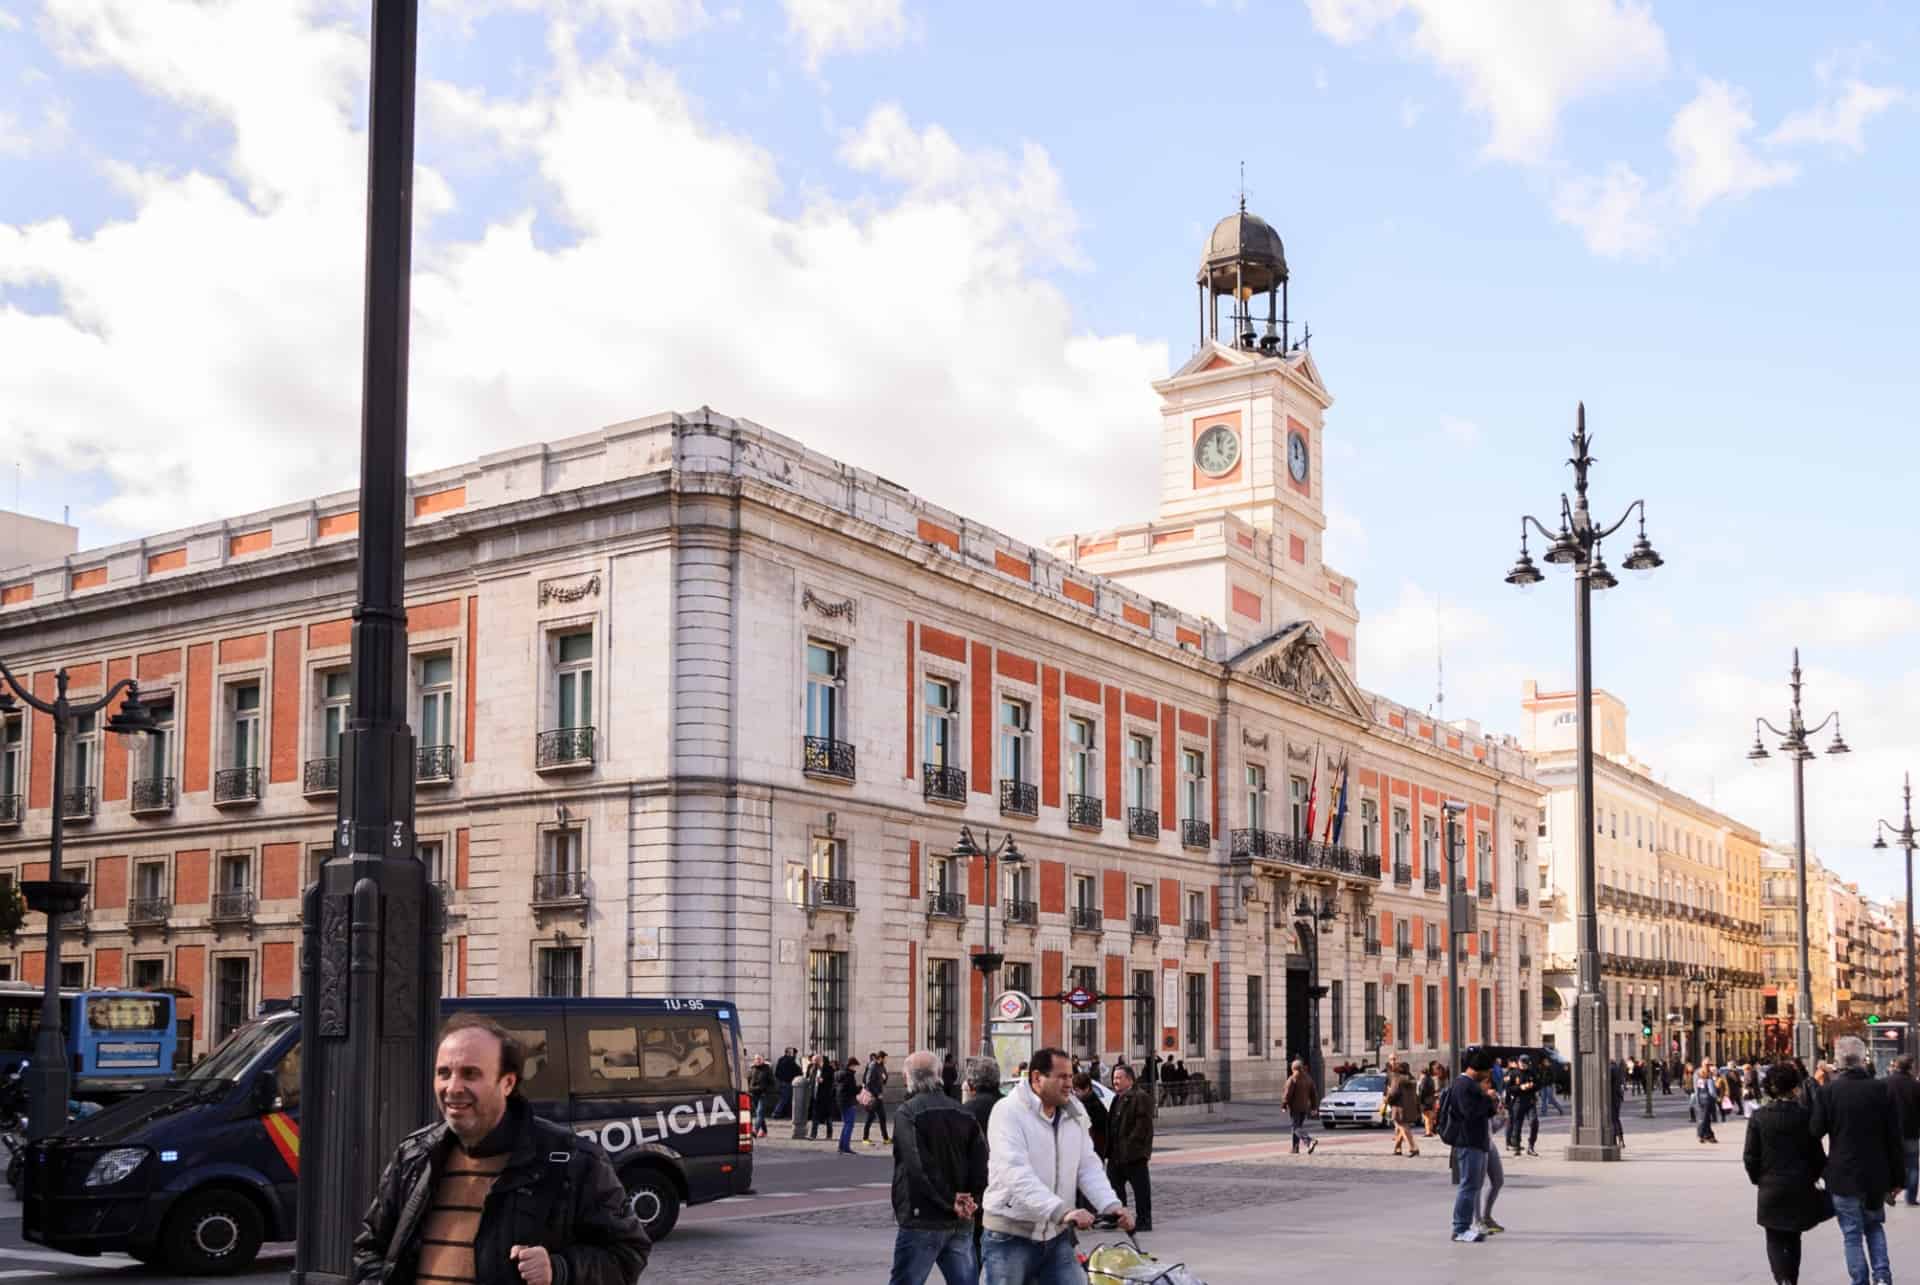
(1430, 879)
(1371, 947)
(1486, 890)
(1434, 952)
(1145, 925)
(1195, 834)
(943, 784)
(80, 804)
(233, 785)
(1526, 961)
(148, 911)
(823, 756)
(1019, 799)
(830, 894)
(1402, 875)
(1520, 897)
(433, 764)
(1245, 845)
(947, 905)
(320, 777)
(1083, 812)
(12, 808)
(1143, 823)
(560, 888)
(231, 907)
(1085, 919)
(1403, 950)
(1020, 910)
(564, 749)
(153, 794)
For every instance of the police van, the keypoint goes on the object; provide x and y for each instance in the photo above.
(198, 1172)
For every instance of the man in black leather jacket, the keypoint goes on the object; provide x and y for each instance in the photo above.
(494, 1194)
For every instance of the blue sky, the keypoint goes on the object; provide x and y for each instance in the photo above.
(953, 242)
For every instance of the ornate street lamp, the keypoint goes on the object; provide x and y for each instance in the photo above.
(986, 959)
(1905, 838)
(49, 1083)
(1794, 743)
(1576, 544)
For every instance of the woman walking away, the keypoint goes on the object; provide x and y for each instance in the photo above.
(1403, 1099)
(1785, 1162)
(1703, 1104)
(846, 1087)
(1429, 1096)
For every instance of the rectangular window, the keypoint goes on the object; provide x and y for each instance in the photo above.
(827, 1003)
(1370, 1003)
(826, 691)
(1083, 892)
(1142, 900)
(150, 881)
(336, 698)
(1403, 936)
(1196, 1014)
(943, 1004)
(560, 854)
(1196, 907)
(1488, 1034)
(1193, 785)
(560, 968)
(942, 723)
(243, 725)
(1336, 994)
(1016, 740)
(232, 978)
(13, 775)
(1018, 977)
(828, 858)
(1297, 800)
(1144, 1039)
(1019, 883)
(1369, 828)
(1429, 843)
(943, 876)
(148, 974)
(1256, 797)
(1433, 1017)
(433, 859)
(235, 873)
(1083, 763)
(82, 752)
(435, 676)
(1140, 792)
(153, 758)
(73, 974)
(1400, 852)
(573, 680)
(1402, 1035)
(1085, 1026)
(1256, 1018)
(1483, 855)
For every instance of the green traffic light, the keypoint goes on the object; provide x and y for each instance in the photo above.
(1873, 1019)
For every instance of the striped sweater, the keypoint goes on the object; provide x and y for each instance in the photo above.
(453, 1219)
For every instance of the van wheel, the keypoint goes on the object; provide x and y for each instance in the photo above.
(212, 1233)
(651, 1196)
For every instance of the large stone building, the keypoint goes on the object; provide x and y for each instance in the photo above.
(701, 711)
(1855, 952)
(1678, 890)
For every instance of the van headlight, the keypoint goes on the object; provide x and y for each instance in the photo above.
(115, 1166)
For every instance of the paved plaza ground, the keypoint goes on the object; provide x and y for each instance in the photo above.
(1237, 1208)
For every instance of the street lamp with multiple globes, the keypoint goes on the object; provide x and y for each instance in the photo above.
(986, 959)
(1577, 544)
(1904, 837)
(1793, 741)
(48, 1080)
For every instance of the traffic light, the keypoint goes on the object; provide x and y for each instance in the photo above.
(1646, 1023)
(1873, 1019)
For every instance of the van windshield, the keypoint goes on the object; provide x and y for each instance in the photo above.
(240, 1051)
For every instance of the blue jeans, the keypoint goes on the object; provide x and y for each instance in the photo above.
(1913, 1169)
(916, 1250)
(846, 1129)
(1858, 1222)
(1472, 1163)
(1015, 1260)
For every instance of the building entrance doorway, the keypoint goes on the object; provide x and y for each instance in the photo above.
(1299, 1011)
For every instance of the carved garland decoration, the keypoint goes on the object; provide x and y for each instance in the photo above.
(1296, 670)
(1251, 741)
(553, 592)
(842, 610)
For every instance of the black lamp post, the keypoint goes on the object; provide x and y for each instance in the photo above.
(986, 959)
(49, 1083)
(1309, 919)
(1459, 912)
(370, 942)
(1577, 544)
(1905, 838)
(1794, 742)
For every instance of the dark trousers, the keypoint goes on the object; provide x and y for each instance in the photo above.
(1783, 1255)
(879, 1108)
(1522, 1113)
(1136, 1173)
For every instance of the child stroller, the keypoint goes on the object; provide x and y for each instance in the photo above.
(1125, 1263)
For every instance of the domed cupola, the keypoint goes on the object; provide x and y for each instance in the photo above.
(1244, 258)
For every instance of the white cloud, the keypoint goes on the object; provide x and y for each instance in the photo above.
(834, 26)
(1410, 114)
(1461, 432)
(651, 21)
(1611, 211)
(1403, 639)
(1843, 617)
(1840, 121)
(1709, 143)
(206, 354)
(1519, 61)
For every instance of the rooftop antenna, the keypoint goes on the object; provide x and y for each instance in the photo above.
(1439, 670)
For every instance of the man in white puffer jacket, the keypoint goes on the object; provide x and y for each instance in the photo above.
(1038, 1151)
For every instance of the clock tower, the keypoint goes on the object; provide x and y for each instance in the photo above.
(1242, 518)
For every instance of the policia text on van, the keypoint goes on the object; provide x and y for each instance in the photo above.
(197, 1173)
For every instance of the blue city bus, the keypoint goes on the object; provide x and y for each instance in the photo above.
(118, 1041)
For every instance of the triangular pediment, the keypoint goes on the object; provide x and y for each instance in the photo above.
(1213, 356)
(1297, 661)
(1307, 369)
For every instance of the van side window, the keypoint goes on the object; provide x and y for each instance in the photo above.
(649, 1055)
(545, 1076)
(287, 1079)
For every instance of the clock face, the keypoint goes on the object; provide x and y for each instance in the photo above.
(1297, 456)
(1217, 450)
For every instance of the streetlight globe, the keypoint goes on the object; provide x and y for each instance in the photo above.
(1013, 856)
(1524, 574)
(1758, 754)
(1599, 574)
(1564, 550)
(1839, 746)
(963, 847)
(1880, 841)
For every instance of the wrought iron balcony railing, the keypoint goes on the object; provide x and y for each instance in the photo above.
(1434, 952)
(1403, 949)
(1198, 930)
(562, 749)
(320, 776)
(433, 764)
(1084, 811)
(1146, 925)
(1244, 845)
(1019, 798)
(1430, 879)
(1402, 875)
(1195, 834)
(1486, 890)
(1143, 823)
(1526, 961)
(824, 756)
(943, 784)
(1370, 946)
(559, 886)
(830, 894)
(946, 905)
(1520, 897)
(12, 809)
(236, 785)
(231, 906)
(152, 794)
(1085, 919)
(148, 910)
(80, 804)
(1020, 910)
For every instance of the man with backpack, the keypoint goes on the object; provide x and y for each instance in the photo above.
(1465, 1110)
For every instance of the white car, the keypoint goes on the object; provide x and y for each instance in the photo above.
(1356, 1101)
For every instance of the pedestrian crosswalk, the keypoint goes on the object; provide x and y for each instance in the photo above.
(800, 1195)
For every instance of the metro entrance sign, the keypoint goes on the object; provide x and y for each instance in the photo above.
(1080, 997)
(1012, 1033)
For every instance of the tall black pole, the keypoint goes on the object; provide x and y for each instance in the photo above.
(48, 1082)
(1803, 1028)
(1907, 840)
(1593, 1135)
(1453, 947)
(370, 951)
